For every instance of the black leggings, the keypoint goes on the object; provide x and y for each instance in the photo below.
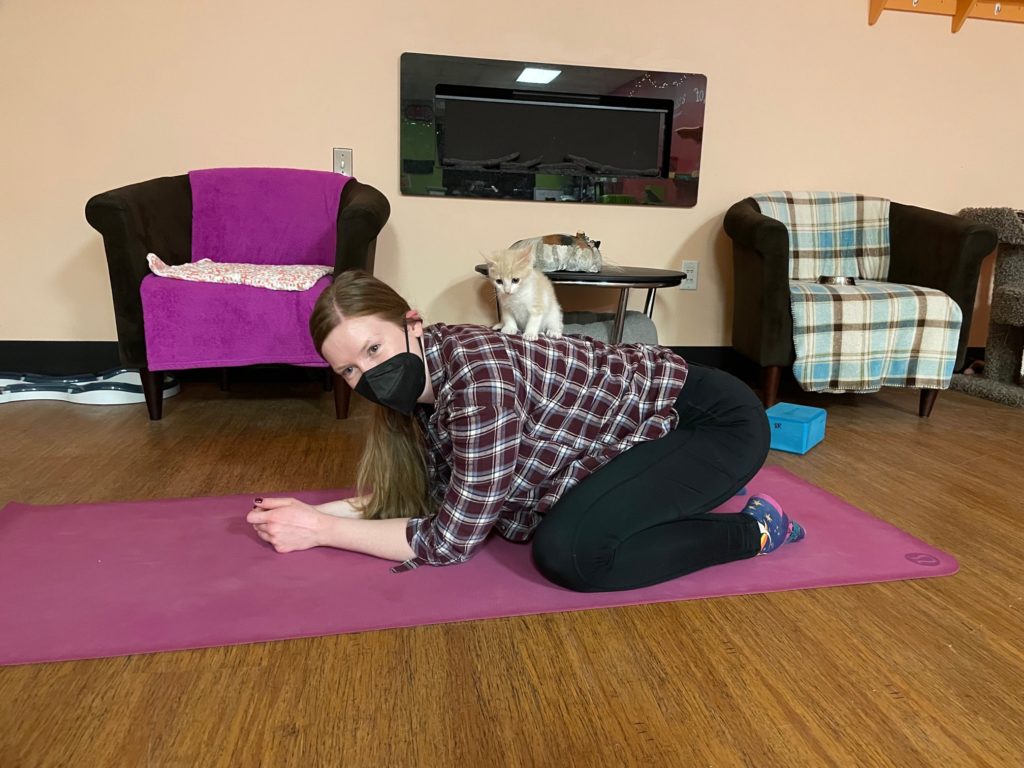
(643, 517)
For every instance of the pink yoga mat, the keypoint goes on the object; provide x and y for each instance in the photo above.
(94, 580)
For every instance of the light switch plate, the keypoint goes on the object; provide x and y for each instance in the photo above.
(343, 161)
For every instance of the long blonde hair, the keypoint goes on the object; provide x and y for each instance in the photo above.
(392, 476)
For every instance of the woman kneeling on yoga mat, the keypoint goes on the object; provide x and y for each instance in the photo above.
(610, 456)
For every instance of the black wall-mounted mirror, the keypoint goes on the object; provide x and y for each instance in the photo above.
(517, 130)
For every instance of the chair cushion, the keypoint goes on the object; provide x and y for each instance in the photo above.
(637, 328)
(265, 215)
(209, 325)
(860, 338)
(832, 233)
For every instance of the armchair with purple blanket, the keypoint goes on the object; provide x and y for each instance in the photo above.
(276, 216)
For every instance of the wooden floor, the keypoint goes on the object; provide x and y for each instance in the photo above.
(914, 673)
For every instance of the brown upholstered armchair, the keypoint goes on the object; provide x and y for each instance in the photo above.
(925, 248)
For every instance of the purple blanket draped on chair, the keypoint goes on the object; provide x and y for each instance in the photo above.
(251, 216)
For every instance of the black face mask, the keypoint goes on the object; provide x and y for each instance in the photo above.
(397, 383)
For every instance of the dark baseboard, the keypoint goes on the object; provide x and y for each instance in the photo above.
(725, 358)
(68, 358)
(64, 358)
(58, 358)
(730, 360)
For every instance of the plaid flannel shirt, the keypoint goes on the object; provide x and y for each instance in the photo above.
(518, 423)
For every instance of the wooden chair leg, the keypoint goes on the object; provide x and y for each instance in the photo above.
(153, 390)
(225, 382)
(342, 395)
(928, 397)
(770, 385)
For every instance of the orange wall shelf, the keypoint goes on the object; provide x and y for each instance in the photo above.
(960, 10)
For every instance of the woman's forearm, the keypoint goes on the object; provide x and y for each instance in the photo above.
(380, 538)
(344, 507)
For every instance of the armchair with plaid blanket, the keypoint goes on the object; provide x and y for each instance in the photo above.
(905, 323)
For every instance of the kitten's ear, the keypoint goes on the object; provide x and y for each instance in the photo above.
(489, 258)
(524, 256)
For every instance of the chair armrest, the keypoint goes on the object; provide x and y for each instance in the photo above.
(149, 216)
(934, 249)
(940, 251)
(762, 327)
(362, 214)
(745, 224)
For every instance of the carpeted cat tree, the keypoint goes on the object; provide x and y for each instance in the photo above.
(1003, 379)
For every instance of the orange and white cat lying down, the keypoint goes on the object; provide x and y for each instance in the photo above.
(525, 295)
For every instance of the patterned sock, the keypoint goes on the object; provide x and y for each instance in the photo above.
(796, 532)
(774, 524)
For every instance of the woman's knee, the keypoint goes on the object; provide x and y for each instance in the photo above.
(555, 558)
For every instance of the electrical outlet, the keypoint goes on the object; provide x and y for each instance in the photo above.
(690, 271)
(343, 161)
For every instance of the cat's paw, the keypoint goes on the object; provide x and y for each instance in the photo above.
(530, 336)
(510, 330)
(496, 327)
(554, 334)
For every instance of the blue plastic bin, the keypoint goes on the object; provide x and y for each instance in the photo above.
(796, 428)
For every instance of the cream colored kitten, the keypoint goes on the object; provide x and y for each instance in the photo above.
(525, 295)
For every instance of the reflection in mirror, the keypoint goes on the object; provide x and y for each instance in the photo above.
(518, 130)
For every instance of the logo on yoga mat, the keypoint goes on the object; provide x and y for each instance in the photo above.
(922, 558)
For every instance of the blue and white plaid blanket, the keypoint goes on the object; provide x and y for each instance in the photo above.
(863, 337)
(860, 338)
(832, 233)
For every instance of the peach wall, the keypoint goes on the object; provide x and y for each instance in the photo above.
(801, 94)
